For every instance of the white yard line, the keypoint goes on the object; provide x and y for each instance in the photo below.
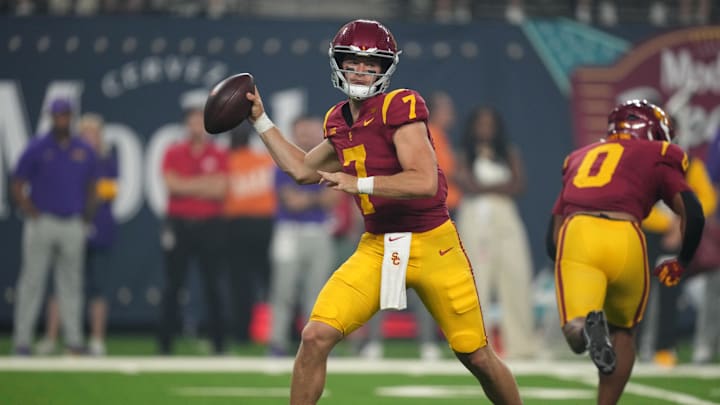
(652, 392)
(401, 391)
(475, 391)
(348, 365)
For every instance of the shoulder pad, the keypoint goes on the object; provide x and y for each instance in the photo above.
(403, 106)
(675, 156)
(330, 132)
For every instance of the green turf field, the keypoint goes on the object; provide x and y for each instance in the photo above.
(131, 375)
(378, 389)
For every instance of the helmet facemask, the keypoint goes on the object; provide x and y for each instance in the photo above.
(388, 62)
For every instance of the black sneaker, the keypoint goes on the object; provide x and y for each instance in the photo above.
(598, 343)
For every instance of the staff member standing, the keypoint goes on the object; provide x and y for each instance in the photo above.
(54, 185)
(302, 229)
(249, 209)
(194, 171)
(98, 250)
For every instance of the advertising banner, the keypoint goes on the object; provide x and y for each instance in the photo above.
(678, 70)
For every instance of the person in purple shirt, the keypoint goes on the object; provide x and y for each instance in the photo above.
(54, 186)
(712, 161)
(99, 243)
(706, 343)
(302, 229)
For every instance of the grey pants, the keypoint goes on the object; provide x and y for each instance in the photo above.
(301, 255)
(51, 242)
(707, 330)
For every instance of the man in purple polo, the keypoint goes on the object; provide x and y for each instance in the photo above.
(53, 184)
(707, 328)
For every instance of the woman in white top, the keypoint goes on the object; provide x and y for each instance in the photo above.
(490, 174)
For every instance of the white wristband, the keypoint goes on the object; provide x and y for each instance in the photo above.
(263, 124)
(365, 185)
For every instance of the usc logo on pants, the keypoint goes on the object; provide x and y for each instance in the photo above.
(395, 257)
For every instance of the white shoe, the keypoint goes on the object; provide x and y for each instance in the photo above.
(97, 348)
(702, 355)
(372, 350)
(45, 347)
(430, 351)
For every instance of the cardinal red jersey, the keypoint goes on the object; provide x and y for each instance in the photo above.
(627, 175)
(365, 148)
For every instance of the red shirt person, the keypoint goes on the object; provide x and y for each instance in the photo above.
(194, 171)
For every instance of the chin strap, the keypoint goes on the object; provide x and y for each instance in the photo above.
(360, 92)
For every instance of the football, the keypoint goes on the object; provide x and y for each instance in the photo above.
(227, 106)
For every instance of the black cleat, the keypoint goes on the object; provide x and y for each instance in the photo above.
(597, 339)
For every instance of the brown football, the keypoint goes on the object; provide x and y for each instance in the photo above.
(227, 106)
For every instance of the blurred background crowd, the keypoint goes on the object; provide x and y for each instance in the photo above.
(604, 12)
(239, 238)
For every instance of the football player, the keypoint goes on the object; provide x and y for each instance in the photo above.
(377, 147)
(595, 239)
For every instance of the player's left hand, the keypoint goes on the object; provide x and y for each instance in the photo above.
(339, 181)
(669, 272)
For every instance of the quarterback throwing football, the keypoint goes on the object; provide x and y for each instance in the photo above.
(377, 147)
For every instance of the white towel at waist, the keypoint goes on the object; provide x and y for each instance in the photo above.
(393, 294)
